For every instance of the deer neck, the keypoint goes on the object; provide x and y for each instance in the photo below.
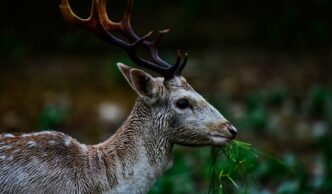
(138, 152)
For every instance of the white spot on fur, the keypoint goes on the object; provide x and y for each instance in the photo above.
(15, 151)
(67, 141)
(52, 142)
(47, 132)
(83, 147)
(5, 147)
(37, 133)
(2, 157)
(26, 135)
(21, 175)
(31, 144)
(8, 135)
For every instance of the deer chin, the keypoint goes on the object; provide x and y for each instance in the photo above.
(218, 139)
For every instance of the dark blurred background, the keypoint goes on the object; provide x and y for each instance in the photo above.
(265, 65)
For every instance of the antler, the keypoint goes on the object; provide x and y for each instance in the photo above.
(99, 24)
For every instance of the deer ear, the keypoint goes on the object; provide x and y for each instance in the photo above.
(143, 83)
(125, 70)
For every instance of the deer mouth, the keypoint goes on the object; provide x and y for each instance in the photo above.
(218, 138)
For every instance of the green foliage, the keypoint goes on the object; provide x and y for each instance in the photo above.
(320, 103)
(236, 166)
(52, 117)
(188, 169)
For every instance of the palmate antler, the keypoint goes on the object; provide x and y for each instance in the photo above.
(99, 23)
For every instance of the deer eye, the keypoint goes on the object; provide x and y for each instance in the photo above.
(182, 103)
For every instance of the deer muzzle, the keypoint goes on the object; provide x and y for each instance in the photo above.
(222, 134)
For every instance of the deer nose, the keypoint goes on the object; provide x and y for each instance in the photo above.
(232, 130)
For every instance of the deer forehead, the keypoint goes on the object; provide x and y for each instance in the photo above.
(180, 88)
(178, 82)
(191, 95)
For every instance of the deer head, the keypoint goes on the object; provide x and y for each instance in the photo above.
(180, 113)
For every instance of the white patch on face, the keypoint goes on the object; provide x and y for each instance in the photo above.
(31, 144)
(219, 140)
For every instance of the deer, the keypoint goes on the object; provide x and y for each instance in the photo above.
(167, 112)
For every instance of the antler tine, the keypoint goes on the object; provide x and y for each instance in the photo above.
(177, 68)
(160, 35)
(152, 46)
(126, 21)
(182, 65)
(99, 23)
(124, 26)
(107, 24)
(167, 71)
(70, 16)
(178, 57)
